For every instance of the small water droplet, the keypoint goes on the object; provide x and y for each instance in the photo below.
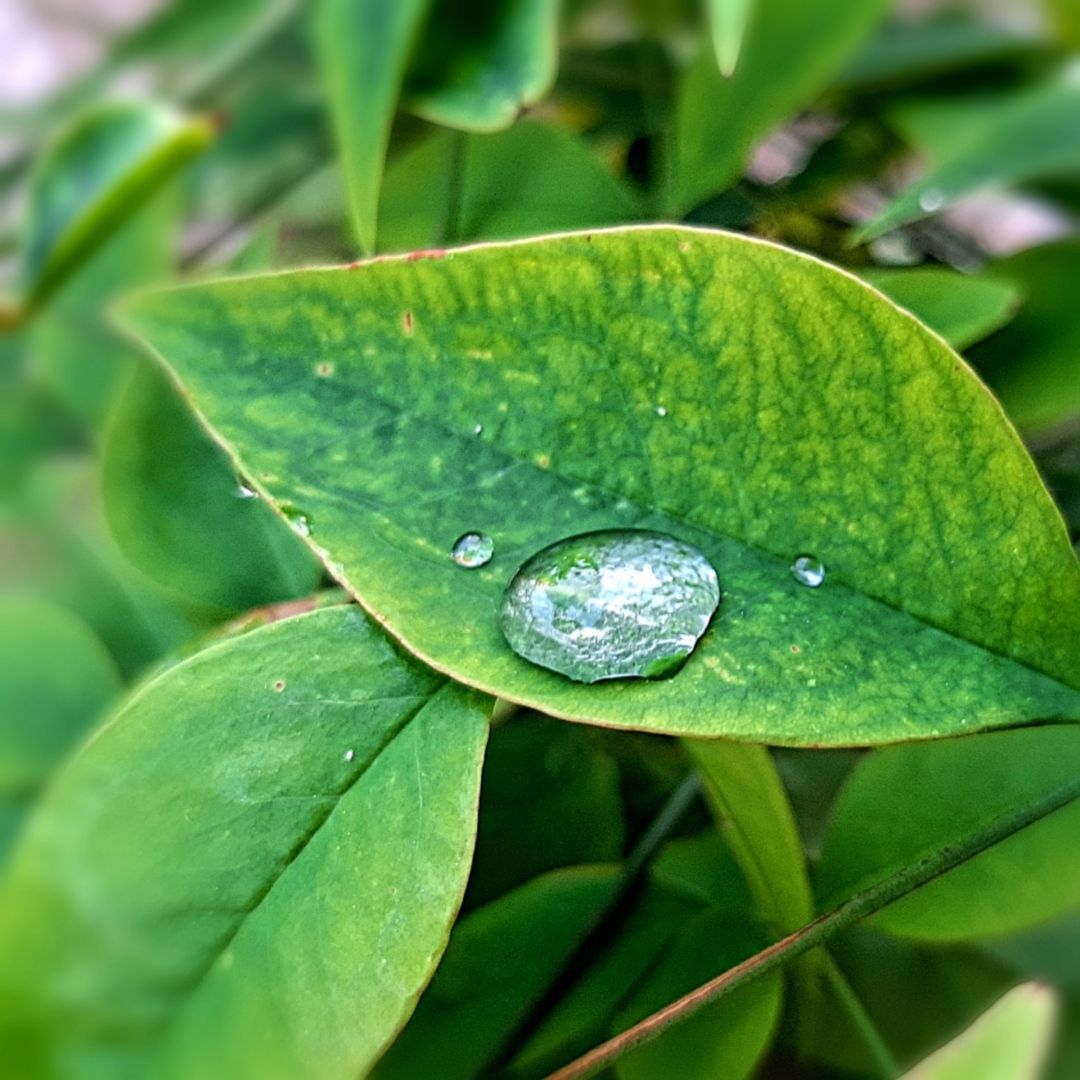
(610, 604)
(349, 755)
(931, 200)
(478, 429)
(808, 570)
(244, 492)
(472, 550)
(661, 411)
(300, 521)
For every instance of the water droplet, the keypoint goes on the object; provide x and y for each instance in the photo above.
(610, 604)
(300, 521)
(472, 550)
(661, 411)
(931, 200)
(808, 570)
(349, 755)
(244, 492)
(478, 429)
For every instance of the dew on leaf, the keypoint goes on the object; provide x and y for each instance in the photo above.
(808, 570)
(349, 755)
(931, 200)
(300, 521)
(478, 429)
(242, 491)
(661, 411)
(611, 604)
(472, 550)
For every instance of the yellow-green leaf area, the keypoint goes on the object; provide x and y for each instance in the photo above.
(746, 399)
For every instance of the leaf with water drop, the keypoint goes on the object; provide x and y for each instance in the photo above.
(278, 827)
(805, 414)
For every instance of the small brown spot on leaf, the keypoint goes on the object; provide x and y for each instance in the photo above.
(795, 649)
(426, 253)
(407, 323)
(324, 370)
(279, 685)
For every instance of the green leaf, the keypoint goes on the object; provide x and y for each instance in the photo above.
(1027, 137)
(55, 680)
(363, 48)
(94, 177)
(725, 1038)
(1033, 365)
(1012, 1039)
(279, 827)
(936, 793)
(797, 420)
(752, 811)
(499, 962)
(960, 308)
(728, 19)
(476, 67)
(1066, 20)
(550, 798)
(171, 497)
(532, 178)
(718, 120)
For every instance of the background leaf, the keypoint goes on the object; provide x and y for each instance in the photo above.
(788, 54)
(280, 826)
(728, 19)
(97, 173)
(938, 792)
(477, 68)
(961, 308)
(760, 455)
(171, 497)
(363, 50)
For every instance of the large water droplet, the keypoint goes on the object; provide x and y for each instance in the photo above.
(808, 570)
(472, 550)
(610, 604)
(297, 518)
(931, 200)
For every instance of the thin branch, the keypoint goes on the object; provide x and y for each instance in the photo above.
(863, 903)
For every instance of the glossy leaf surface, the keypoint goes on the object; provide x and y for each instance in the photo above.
(281, 826)
(937, 793)
(748, 400)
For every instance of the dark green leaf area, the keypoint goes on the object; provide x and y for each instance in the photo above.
(550, 798)
(280, 827)
(176, 507)
(749, 401)
(938, 793)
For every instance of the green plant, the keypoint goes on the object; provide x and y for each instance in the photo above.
(277, 797)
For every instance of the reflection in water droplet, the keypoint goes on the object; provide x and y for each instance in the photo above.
(661, 411)
(300, 521)
(350, 754)
(244, 492)
(472, 550)
(478, 429)
(931, 199)
(808, 570)
(610, 604)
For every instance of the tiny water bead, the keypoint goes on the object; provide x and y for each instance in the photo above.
(808, 570)
(661, 411)
(931, 200)
(472, 550)
(612, 604)
(298, 519)
(242, 491)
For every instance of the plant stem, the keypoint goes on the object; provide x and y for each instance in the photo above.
(826, 926)
(642, 853)
(886, 1064)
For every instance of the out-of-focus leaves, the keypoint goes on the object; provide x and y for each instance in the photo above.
(1065, 15)
(279, 827)
(54, 545)
(913, 49)
(904, 802)
(1049, 951)
(1027, 137)
(1011, 1040)
(499, 962)
(788, 55)
(476, 66)
(1033, 364)
(55, 679)
(727, 20)
(961, 308)
(92, 179)
(79, 356)
(550, 798)
(180, 513)
(532, 178)
(364, 48)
